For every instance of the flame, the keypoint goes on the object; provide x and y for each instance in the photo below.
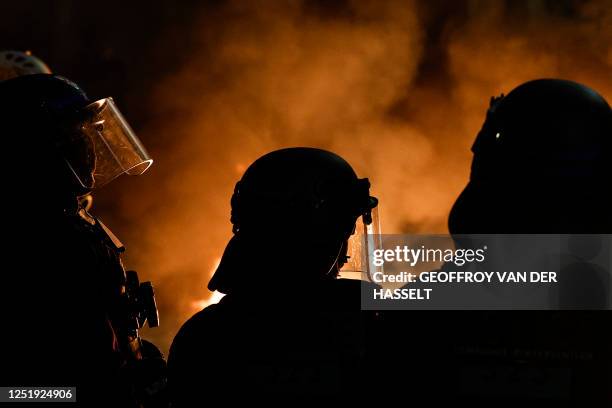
(398, 89)
(214, 298)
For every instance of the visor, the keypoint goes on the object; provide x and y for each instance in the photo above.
(361, 246)
(108, 147)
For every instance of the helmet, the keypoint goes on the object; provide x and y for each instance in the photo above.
(299, 201)
(63, 138)
(296, 187)
(17, 63)
(541, 163)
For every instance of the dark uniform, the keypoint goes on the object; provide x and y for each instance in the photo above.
(284, 346)
(541, 166)
(71, 313)
(287, 329)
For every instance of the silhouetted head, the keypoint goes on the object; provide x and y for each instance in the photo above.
(292, 213)
(542, 163)
(37, 115)
(59, 143)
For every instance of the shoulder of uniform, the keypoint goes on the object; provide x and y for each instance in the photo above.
(193, 336)
(197, 324)
(204, 315)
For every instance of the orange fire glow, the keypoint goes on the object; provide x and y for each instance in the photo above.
(362, 83)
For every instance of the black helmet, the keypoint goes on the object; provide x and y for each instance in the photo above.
(38, 95)
(298, 185)
(64, 140)
(541, 163)
(303, 198)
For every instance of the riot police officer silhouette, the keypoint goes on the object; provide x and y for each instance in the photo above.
(542, 164)
(287, 329)
(71, 313)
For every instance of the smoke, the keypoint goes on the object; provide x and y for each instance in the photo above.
(398, 89)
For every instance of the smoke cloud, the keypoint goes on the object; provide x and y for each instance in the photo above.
(397, 88)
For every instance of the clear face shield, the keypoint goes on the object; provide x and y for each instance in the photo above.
(103, 146)
(365, 239)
